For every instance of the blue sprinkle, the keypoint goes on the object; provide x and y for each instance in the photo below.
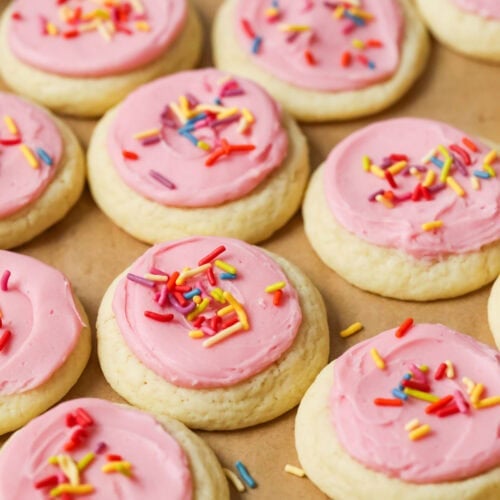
(371, 65)
(401, 387)
(44, 156)
(227, 276)
(481, 174)
(189, 137)
(218, 101)
(192, 293)
(437, 162)
(407, 376)
(197, 118)
(186, 128)
(245, 475)
(358, 21)
(399, 394)
(257, 41)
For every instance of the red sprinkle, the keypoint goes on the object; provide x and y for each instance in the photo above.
(17, 16)
(277, 295)
(4, 281)
(71, 34)
(211, 276)
(363, 59)
(130, 155)
(398, 157)
(449, 410)
(247, 28)
(470, 144)
(171, 281)
(387, 402)
(212, 158)
(310, 58)
(183, 288)
(229, 322)
(4, 339)
(162, 318)
(198, 321)
(70, 420)
(439, 373)
(10, 142)
(419, 386)
(416, 195)
(114, 458)
(390, 179)
(240, 147)
(462, 153)
(83, 418)
(47, 481)
(433, 407)
(404, 327)
(425, 193)
(212, 255)
(215, 322)
(374, 43)
(180, 299)
(345, 59)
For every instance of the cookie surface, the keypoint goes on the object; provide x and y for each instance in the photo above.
(57, 71)
(471, 27)
(44, 338)
(163, 186)
(354, 73)
(42, 170)
(380, 459)
(159, 455)
(405, 241)
(235, 367)
(494, 311)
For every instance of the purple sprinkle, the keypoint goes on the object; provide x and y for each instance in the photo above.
(150, 141)
(292, 37)
(436, 188)
(373, 196)
(460, 166)
(140, 280)
(101, 447)
(233, 93)
(386, 163)
(183, 310)
(161, 179)
(158, 272)
(192, 100)
(225, 121)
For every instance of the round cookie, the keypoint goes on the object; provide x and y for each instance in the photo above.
(198, 153)
(240, 357)
(353, 435)
(494, 311)
(44, 338)
(42, 170)
(82, 57)
(322, 60)
(100, 449)
(408, 208)
(471, 27)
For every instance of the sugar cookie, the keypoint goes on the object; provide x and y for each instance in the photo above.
(494, 311)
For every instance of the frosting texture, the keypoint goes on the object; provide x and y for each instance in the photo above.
(484, 8)
(322, 46)
(167, 347)
(172, 166)
(85, 38)
(159, 464)
(29, 127)
(38, 309)
(459, 446)
(413, 151)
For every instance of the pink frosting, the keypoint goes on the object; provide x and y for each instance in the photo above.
(469, 222)
(90, 54)
(20, 184)
(39, 311)
(159, 464)
(282, 53)
(167, 349)
(484, 8)
(459, 446)
(177, 159)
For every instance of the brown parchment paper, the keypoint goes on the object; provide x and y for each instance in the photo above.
(91, 251)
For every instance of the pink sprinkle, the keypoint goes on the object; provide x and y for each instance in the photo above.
(158, 272)
(463, 406)
(192, 100)
(208, 331)
(163, 298)
(348, 28)
(417, 373)
(4, 281)
(292, 37)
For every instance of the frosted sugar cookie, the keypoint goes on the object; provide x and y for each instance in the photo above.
(408, 208)
(101, 450)
(413, 417)
(471, 27)
(324, 60)
(81, 57)
(198, 153)
(42, 170)
(494, 311)
(214, 332)
(44, 338)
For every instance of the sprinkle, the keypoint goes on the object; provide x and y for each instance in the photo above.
(140, 280)
(490, 170)
(4, 339)
(487, 402)
(429, 178)
(448, 410)
(345, 59)
(412, 425)
(470, 145)
(295, 471)
(83, 418)
(142, 26)
(245, 475)
(225, 266)
(196, 334)
(469, 384)
(277, 296)
(247, 28)
(192, 293)
(80, 489)
(397, 393)
(161, 179)
(257, 42)
(28, 154)
(366, 162)
(480, 174)
(424, 396)
(238, 308)
(374, 169)
(450, 371)
(44, 156)
(379, 362)
(47, 481)
(384, 201)
(293, 27)
(310, 59)
(397, 167)
(351, 330)
(212, 255)
(490, 157)
(122, 466)
(85, 461)
(418, 385)
(275, 286)
(223, 334)
(476, 393)
(159, 278)
(463, 406)
(387, 402)
(11, 125)
(374, 195)
(199, 308)
(4, 281)
(420, 432)
(162, 318)
(430, 226)
(112, 457)
(130, 155)
(404, 327)
(455, 186)
(440, 371)
(189, 273)
(235, 480)
(147, 133)
(358, 44)
(100, 448)
(17, 16)
(437, 405)
(225, 310)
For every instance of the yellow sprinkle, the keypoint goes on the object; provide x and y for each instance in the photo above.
(116, 466)
(379, 362)
(424, 396)
(382, 199)
(147, 133)
(339, 12)
(490, 157)
(160, 278)
(247, 115)
(476, 185)
(225, 310)
(53, 460)
(218, 295)
(366, 163)
(275, 286)
(487, 402)
(142, 26)
(243, 125)
(414, 171)
(490, 170)
(51, 29)
(223, 334)
(189, 273)
(412, 425)
(444, 152)
(358, 44)
(28, 154)
(85, 461)
(397, 167)
(430, 226)
(428, 156)
(272, 12)
(102, 29)
(476, 393)
(450, 370)
(361, 13)
(70, 469)
(240, 311)
(351, 330)
(429, 178)
(138, 7)
(376, 170)
(203, 145)
(419, 432)
(227, 113)
(199, 309)
(469, 384)
(423, 368)
(184, 103)
(196, 334)
(197, 299)
(445, 171)
(179, 114)
(101, 13)
(296, 471)
(213, 108)
(455, 186)
(11, 124)
(81, 489)
(294, 27)
(225, 266)
(234, 479)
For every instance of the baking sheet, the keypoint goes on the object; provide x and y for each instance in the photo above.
(91, 251)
